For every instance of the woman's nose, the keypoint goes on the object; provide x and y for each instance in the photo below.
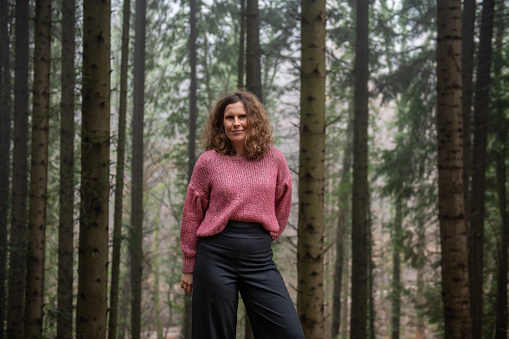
(236, 121)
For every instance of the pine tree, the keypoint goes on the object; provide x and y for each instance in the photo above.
(479, 162)
(136, 234)
(67, 130)
(92, 308)
(19, 191)
(467, 64)
(502, 137)
(119, 177)
(360, 198)
(191, 143)
(451, 205)
(310, 250)
(36, 235)
(5, 158)
(253, 70)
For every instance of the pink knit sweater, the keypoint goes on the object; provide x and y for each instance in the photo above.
(226, 187)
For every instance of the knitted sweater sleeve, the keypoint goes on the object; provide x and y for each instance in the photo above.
(195, 206)
(283, 196)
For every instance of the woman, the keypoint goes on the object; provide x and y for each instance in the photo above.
(237, 203)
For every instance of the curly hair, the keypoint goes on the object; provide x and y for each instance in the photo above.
(259, 138)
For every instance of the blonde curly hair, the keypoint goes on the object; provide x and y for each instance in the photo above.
(259, 138)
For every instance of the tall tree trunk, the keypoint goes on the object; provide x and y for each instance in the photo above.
(5, 140)
(371, 282)
(396, 270)
(420, 330)
(451, 208)
(66, 225)
(155, 270)
(344, 209)
(191, 143)
(466, 74)
(481, 109)
(119, 177)
(242, 45)
(136, 237)
(360, 199)
(346, 288)
(123, 314)
(501, 313)
(502, 131)
(36, 235)
(19, 191)
(310, 250)
(92, 306)
(253, 70)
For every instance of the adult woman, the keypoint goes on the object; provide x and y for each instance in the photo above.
(237, 202)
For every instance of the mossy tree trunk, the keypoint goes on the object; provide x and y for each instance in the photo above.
(19, 191)
(467, 80)
(310, 249)
(191, 143)
(5, 158)
(92, 307)
(502, 135)
(136, 234)
(119, 176)
(479, 165)
(253, 70)
(451, 202)
(36, 235)
(242, 45)
(344, 209)
(66, 222)
(360, 198)
(397, 245)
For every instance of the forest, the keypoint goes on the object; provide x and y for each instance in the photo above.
(393, 116)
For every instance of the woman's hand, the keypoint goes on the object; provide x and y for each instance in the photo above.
(186, 282)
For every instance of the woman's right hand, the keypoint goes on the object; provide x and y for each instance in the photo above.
(186, 282)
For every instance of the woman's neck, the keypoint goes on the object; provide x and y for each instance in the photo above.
(240, 150)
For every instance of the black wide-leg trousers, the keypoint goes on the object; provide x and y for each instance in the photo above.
(239, 259)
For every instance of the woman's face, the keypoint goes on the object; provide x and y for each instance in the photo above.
(235, 124)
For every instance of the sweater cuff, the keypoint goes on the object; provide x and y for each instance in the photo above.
(188, 266)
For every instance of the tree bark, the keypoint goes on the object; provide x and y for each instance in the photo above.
(242, 45)
(155, 270)
(344, 209)
(371, 282)
(396, 270)
(36, 235)
(451, 208)
(253, 68)
(481, 110)
(360, 199)
(420, 330)
(502, 131)
(66, 224)
(468, 24)
(501, 174)
(19, 191)
(136, 237)
(346, 287)
(119, 177)
(5, 141)
(92, 307)
(310, 249)
(191, 146)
